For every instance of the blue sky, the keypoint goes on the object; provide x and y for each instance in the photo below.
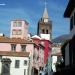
(32, 11)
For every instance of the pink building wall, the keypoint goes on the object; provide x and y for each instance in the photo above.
(46, 50)
(40, 52)
(29, 48)
(23, 28)
(7, 47)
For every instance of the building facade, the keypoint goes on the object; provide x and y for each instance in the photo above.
(15, 47)
(44, 31)
(18, 45)
(12, 63)
(19, 29)
(69, 46)
(56, 55)
(44, 52)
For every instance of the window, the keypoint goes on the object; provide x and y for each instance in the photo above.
(17, 63)
(13, 47)
(37, 58)
(25, 62)
(74, 18)
(71, 23)
(17, 24)
(45, 20)
(0, 57)
(46, 31)
(43, 31)
(23, 47)
(14, 24)
(16, 32)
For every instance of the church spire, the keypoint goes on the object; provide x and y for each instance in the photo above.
(45, 26)
(45, 14)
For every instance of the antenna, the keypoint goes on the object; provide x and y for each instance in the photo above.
(45, 3)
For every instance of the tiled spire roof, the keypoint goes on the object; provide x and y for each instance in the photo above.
(45, 14)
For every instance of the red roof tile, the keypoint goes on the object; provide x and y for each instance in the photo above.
(15, 40)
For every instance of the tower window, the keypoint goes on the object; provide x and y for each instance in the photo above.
(43, 31)
(17, 24)
(17, 32)
(46, 31)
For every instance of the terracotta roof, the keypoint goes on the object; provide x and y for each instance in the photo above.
(14, 40)
(17, 54)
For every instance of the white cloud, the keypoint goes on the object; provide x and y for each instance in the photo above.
(2, 4)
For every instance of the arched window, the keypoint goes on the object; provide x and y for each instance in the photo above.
(43, 31)
(46, 31)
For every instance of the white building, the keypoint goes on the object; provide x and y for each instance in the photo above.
(14, 63)
(69, 45)
(56, 55)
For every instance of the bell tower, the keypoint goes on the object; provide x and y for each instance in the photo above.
(45, 26)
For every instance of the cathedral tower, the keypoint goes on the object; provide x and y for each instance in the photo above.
(45, 26)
